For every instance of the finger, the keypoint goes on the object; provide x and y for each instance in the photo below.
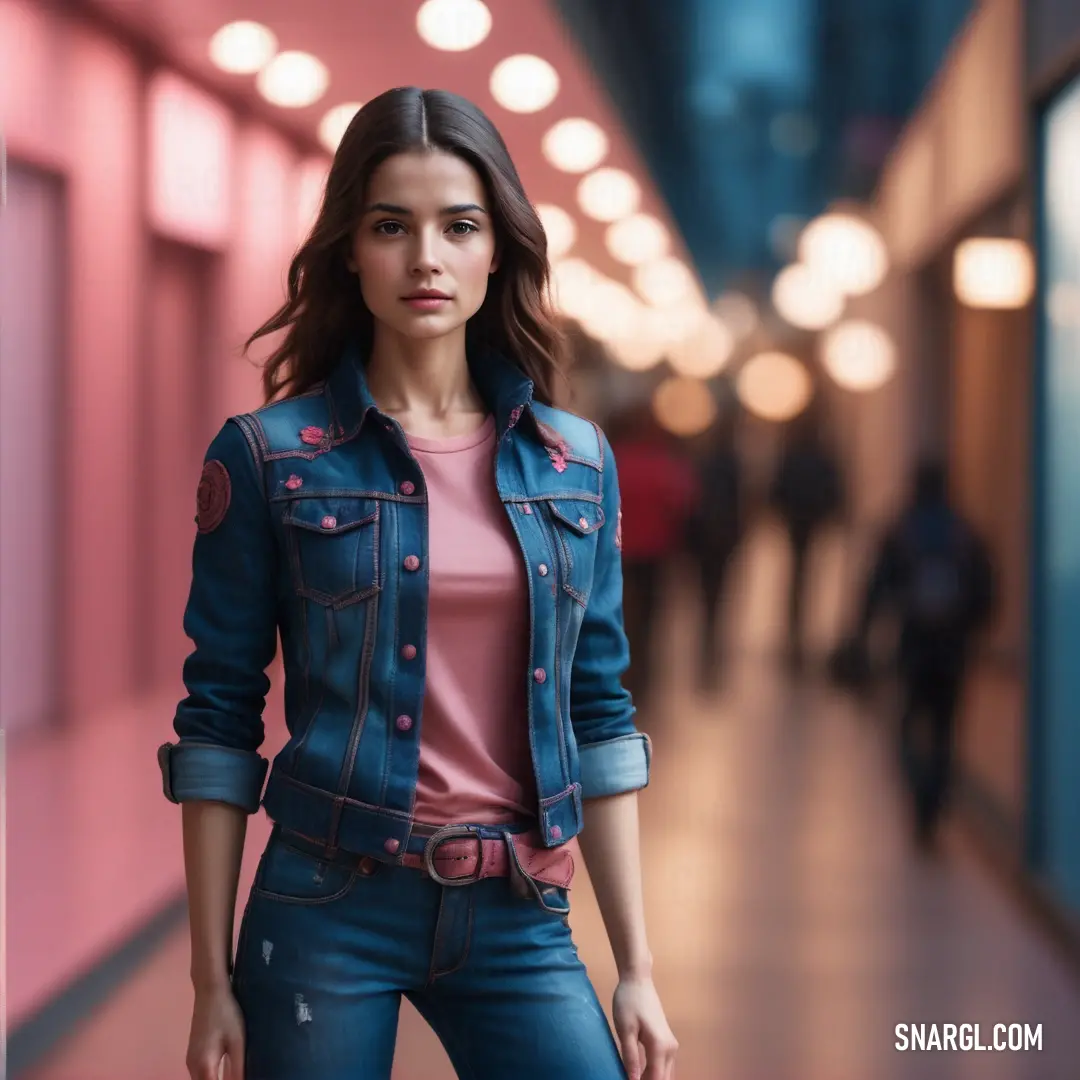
(662, 1062)
(205, 1068)
(631, 1055)
(235, 1070)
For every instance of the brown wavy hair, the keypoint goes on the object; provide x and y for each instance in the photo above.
(325, 311)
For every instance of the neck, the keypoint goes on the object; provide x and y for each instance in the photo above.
(426, 379)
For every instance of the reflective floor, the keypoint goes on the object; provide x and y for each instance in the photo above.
(792, 923)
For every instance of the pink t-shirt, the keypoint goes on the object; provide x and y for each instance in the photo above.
(475, 761)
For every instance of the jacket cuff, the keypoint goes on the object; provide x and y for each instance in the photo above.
(193, 771)
(615, 766)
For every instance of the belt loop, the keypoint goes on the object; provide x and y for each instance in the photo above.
(335, 825)
(519, 883)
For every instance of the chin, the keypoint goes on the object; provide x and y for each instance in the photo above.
(427, 327)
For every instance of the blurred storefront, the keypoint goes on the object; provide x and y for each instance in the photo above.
(1054, 827)
(952, 190)
(985, 380)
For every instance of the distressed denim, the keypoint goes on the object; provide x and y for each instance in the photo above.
(326, 951)
(315, 533)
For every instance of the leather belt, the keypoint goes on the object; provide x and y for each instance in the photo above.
(464, 854)
(460, 855)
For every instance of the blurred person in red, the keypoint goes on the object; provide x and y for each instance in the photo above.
(659, 491)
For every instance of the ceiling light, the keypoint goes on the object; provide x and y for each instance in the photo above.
(608, 194)
(636, 353)
(804, 299)
(293, 80)
(858, 355)
(453, 25)
(242, 48)
(993, 273)
(704, 352)
(572, 280)
(611, 308)
(559, 227)
(664, 282)
(683, 406)
(847, 251)
(774, 386)
(575, 145)
(738, 313)
(637, 239)
(336, 122)
(524, 83)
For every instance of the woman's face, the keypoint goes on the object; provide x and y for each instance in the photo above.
(425, 246)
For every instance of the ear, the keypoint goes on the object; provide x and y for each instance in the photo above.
(496, 260)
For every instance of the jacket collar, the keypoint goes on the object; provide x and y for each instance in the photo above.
(506, 391)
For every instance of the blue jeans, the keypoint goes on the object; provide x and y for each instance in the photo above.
(326, 949)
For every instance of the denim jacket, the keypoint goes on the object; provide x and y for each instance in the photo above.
(313, 525)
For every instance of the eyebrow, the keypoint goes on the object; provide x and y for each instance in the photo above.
(390, 208)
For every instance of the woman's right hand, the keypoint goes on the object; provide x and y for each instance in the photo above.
(217, 1031)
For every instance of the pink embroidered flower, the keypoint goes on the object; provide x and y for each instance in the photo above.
(313, 436)
(294, 482)
(556, 453)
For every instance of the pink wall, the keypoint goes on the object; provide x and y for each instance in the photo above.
(106, 269)
(74, 102)
(266, 187)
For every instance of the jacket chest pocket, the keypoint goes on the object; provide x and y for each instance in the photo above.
(333, 544)
(574, 527)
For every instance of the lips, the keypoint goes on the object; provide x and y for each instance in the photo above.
(426, 294)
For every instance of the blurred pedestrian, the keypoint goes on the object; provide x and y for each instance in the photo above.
(933, 574)
(807, 492)
(714, 531)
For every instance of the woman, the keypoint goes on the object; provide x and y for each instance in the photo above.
(438, 547)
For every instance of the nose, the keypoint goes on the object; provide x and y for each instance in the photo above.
(426, 259)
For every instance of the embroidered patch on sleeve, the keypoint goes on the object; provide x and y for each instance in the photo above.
(618, 530)
(215, 492)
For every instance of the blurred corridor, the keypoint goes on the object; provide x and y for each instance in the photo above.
(802, 251)
(793, 924)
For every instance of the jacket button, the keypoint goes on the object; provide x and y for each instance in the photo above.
(406, 487)
(412, 562)
(329, 522)
(393, 845)
(404, 723)
(526, 508)
(367, 866)
(540, 675)
(408, 652)
(542, 570)
(583, 522)
(556, 832)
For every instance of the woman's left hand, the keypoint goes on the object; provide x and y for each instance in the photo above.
(647, 1044)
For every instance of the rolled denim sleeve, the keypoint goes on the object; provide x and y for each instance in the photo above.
(614, 756)
(231, 619)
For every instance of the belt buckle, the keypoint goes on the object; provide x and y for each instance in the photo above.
(452, 832)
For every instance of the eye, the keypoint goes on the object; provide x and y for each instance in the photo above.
(463, 228)
(385, 228)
